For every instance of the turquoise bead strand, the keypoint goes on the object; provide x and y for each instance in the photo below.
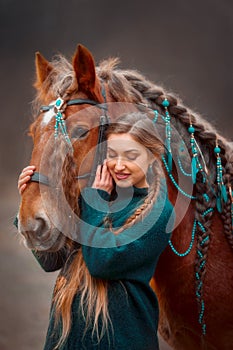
(60, 124)
(182, 169)
(190, 245)
(166, 104)
(174, 181)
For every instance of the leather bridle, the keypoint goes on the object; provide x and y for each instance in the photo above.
(59, 108)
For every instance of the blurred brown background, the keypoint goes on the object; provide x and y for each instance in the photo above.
(184, 45)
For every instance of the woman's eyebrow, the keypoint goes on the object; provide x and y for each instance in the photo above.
(131, 150)
(126, 151)
(110, 149)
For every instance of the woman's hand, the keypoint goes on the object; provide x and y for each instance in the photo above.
(24, 177)
(103, 179)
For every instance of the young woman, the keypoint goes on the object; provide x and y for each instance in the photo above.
(102, 298)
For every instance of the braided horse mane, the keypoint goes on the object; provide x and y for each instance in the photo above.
(131, 86)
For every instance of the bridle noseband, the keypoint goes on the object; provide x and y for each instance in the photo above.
(59, 108)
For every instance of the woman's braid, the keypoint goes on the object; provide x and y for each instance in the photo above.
(145, 207)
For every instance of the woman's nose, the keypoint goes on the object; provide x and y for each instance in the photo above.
(119, 164)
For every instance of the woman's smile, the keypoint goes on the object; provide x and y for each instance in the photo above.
(121, 176)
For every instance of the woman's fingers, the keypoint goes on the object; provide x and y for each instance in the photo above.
(23, 180)
(99, 171)
(104, 172)
(103, 179)
(22, 188)
(29, 167)
(24, 177)
(29, 170)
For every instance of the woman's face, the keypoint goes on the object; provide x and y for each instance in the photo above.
(127, 161)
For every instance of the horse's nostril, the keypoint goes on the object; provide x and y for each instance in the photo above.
(40, 224)
(38, 228)
(41, 227)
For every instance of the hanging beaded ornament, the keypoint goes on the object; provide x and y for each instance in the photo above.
(196, 165)
(166, 104)
(231, 199)
(221, 196)
(60, 124)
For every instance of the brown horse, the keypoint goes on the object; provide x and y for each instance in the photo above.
(194, 277)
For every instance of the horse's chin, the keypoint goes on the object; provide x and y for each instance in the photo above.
(53, 244)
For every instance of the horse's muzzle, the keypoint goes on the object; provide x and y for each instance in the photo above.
(39, 234)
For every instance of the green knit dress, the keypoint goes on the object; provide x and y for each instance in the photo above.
(127, 261)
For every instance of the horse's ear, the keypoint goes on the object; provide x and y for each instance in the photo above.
(43, 69)
(84, 67)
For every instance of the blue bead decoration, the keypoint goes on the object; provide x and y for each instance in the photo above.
(205, 240)
(182, 169)
(58, 102)
(190, 245)
(191, 129)
(61, 125)
(165, 103)
(221, 196)
(156, 114)
(202, 311)
(201, 226)
(194, 169)
(206, 197)
(231, 199)
(168, 138)
(174, 181)
(196, 165)
(202, 264)
(209, 210)
(199, 283)
(182, 146)
(219, 204)
(224, 193)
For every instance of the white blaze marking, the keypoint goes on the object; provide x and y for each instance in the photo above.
(48, 115)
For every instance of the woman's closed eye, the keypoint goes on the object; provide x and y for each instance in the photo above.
(131, 156)
(111, 154)
(127, 156)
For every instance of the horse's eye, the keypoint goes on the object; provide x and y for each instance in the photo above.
(79, 132)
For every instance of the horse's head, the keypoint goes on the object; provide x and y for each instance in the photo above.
(62, 157)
